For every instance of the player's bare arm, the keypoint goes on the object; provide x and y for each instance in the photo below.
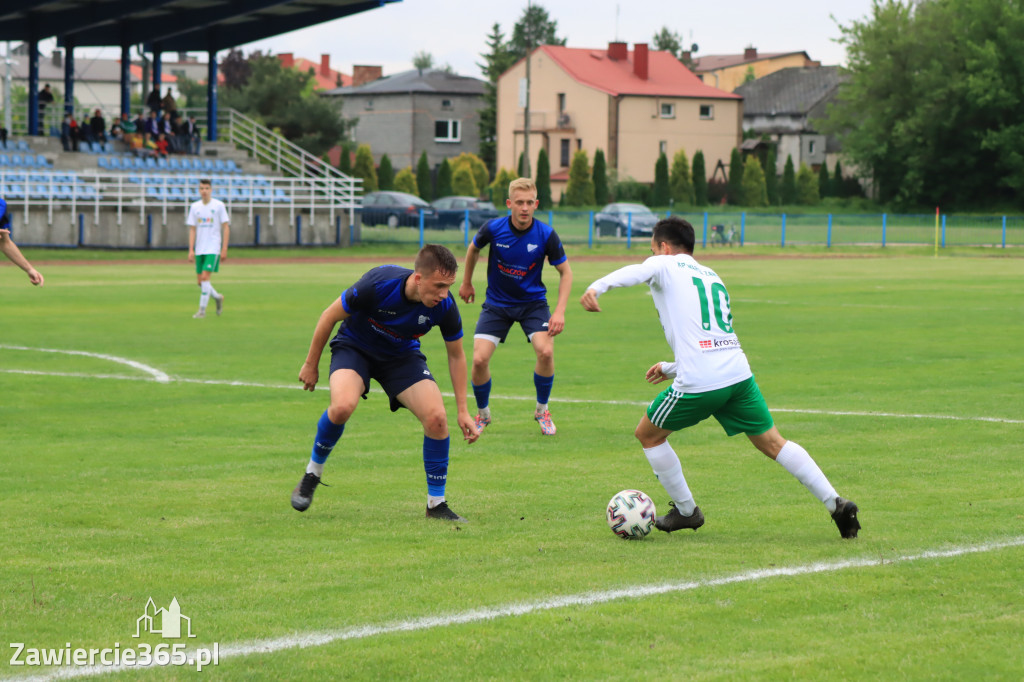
(466, 292)
(226, 234)
(191, 243)
(329, 318)
(556, 325)
(589, 301)
(460, 379)
(656, 375)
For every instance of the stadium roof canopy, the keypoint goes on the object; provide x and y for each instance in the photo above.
(168, 25)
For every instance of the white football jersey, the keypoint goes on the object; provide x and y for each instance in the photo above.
(207, 219)
(693, 306)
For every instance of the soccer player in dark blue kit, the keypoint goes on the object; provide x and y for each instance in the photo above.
(515, 293)
(382, 317)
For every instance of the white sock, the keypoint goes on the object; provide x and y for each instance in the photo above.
(214, 292)
(485, 412)
(542, 407)
(315, 468)
(434, 500)
(204, 297)
(796, 461)
(669, 471)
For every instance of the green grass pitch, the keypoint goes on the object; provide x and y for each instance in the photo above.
(902, 377)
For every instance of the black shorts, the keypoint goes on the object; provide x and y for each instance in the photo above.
(394, 374)
(494, 321)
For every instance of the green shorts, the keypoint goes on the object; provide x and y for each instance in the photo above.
(208, 262)
(739, 408)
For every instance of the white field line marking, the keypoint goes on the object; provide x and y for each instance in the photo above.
(156, 374)
(313, 639)
(567, 401)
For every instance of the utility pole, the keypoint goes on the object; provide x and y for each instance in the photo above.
(526, 110)
(7, 92)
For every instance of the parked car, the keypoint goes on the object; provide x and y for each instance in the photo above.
(614, 219)
(451, 212)
(396, 209)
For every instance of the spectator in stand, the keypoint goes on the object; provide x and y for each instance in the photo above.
(167, 128)
(178, 134)
(3, 137)
(192, 135)
(152, 128)
(167, 104)
(140, 123)
(45, 98)
(98, 127)
(153, 100)
(128, 130)
(161, 147)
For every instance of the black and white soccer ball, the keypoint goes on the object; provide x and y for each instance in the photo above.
(630, 514)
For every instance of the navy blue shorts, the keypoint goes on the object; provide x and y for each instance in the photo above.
(495, 321)
(394, 374)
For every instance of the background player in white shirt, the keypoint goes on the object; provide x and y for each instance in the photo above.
(711, 376)
(208, 232)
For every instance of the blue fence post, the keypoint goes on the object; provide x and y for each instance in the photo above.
(256, 230)
(1004, 232)
(783, 230)
(629, 229)
(465, 236)
(81, 229)
(298, 230)
(422, 242)
(743, 227)
(828, 239)
(590, 232)
(943, 230)
(551, 218)
(704, 238)
(885, 218)
(337, 230)
(149, 231)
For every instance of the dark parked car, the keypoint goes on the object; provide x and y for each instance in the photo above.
(396, 209)
(451, 212)
(613, 219)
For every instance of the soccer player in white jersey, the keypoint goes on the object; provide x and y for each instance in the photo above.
(710, 377)
(208, 232)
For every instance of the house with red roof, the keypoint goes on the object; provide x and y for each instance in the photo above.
(632, 104)
(729, 71)
(326, 77)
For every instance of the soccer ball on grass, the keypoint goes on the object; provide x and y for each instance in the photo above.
(630, 514)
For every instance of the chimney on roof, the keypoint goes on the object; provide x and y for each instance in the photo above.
(325, 65)
(618, 51)
(287, 60)
(640, 60)
(750, 53)
(364, 74)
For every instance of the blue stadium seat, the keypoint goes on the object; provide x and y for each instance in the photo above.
(4, 161)
(64, 192)
(39, 191)
(103, 162)
(108, 147)
(15, 192)
(97, 148)
(16, 160)
(174, 164)
(21, 145)
(162, 164)
(207, 165)
(280, 195)
(218, 164)
(149, 163)
(232, 166)
(42, 162)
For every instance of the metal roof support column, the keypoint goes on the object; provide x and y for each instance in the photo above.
(33, 84)
(69, 75)
(126, 79)
(157, 68)
(211, 97)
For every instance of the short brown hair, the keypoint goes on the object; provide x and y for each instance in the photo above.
(205, 181)
(436, 258)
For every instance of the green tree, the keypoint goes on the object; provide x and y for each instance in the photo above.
(771, 179)
(601, 194)
(534, 28)
(680, 185)
(660, 196)
(476, 167)
(521, 168)
(497, 60)
(735, 177)
(423, 179)
(580, 188)
(422, 61)
(754, 192)
(284, 100)
(405, 181)
(824, 184)
(667, 40)
(193, 92)
(499, 188)
(235, 69)
(700, 180)
(543, 179)
(385, 173)
(838, 186)
(345, 158)
(365, 169)
(932, 107)
(807, 193)
(787, 193)
(444, 179)
(462, 181)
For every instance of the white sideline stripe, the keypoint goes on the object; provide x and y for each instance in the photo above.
(313, 639)
(567, 401)
(157, 375)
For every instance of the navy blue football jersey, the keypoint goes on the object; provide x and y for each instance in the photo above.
(384, 322)
(516, 259)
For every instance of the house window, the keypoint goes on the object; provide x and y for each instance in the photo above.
(446, 104)
(369, 105)
(579, 144)
(565, 153)
(810, 147)
(561, 102)
(707, 112)
(663, 147)
(668, 110)
(447, 130)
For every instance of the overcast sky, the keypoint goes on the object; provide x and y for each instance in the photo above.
(455, 31)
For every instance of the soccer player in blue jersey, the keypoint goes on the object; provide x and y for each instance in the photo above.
(382, 317)
(11, 250)
(515, 293)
